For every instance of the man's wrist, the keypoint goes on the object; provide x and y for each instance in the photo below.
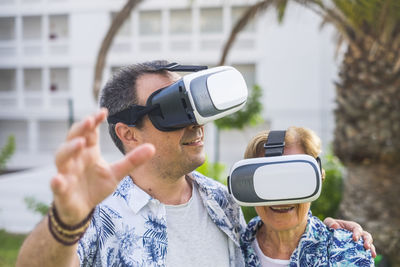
(63, 233)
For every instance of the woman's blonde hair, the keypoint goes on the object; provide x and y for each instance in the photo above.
(295, 136)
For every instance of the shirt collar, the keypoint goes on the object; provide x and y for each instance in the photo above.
(136, 197)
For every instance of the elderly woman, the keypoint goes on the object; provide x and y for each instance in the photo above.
(288, 235)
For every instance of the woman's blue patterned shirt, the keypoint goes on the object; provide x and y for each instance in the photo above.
(318, 246)
(129, 228)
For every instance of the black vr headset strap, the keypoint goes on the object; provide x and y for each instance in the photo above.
(275, 144)
(182, 68)
(131, 115)
(318, 159)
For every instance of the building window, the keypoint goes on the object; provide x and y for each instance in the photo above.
(180, 21)
(33, 80)
(249, 73)
(31, 1)
(17, 128)
(58, 27)
(32, 28)
(237, 13)
(211, 20)
(7, 80)
(150, 22)
(7, 2)
(59, 79)
(125, 29)
(7, 29)
(51, 134)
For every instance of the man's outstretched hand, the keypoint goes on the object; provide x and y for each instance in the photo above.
(84, 178)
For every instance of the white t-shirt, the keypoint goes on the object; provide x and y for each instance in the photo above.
(265, 260)
(193, 238)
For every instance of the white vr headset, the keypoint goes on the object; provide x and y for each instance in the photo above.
(275, 179)
(196, 99)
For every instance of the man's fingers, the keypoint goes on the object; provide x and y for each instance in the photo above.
(132, 160)
(373, 251)
(100, 116)
(348, 225)
(357, 231)
(351, 226)
(367, 239)
(331, 223)
(68, 150)
(84, 127)
(80, 128)
(58, 184)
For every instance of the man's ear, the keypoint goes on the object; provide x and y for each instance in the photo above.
(126, 134)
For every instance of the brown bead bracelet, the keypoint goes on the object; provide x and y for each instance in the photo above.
(65, 234)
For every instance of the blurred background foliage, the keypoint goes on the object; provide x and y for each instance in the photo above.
(327, 205)
(36, 206)
(9, 247)
(249, 115)
(6, 152)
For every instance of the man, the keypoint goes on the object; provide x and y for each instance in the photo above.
(161, 214)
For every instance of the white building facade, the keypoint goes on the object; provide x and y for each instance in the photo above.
(48, 50)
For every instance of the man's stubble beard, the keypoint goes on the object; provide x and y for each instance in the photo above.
(175, 171)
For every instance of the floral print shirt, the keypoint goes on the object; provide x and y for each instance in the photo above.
(129, 227)
(318, 246)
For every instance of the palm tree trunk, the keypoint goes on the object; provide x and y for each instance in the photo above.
(250, 13)
(371, 197)
(367, 141)
(116, 24)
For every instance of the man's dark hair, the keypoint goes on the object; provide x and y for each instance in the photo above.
(120, 91)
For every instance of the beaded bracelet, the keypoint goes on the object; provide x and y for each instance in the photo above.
(65, 234)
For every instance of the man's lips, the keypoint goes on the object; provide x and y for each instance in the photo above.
(194, 142)
(281, 209)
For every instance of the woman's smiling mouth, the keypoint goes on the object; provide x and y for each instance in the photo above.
(281, 209)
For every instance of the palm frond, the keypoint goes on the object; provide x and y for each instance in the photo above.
(377, 18)
(116, 24)
(108, 228)
(281, 8)
(339, 43)
(349, 33)
(153, 234)
(250, 13)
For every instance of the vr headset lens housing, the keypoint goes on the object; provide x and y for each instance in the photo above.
(275, 180)
(195, 99)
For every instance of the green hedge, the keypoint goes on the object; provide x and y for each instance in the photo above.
(9, 247)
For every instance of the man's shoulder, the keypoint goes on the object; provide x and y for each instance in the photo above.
(209, 184)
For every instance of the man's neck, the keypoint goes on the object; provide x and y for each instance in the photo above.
(168, 190)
